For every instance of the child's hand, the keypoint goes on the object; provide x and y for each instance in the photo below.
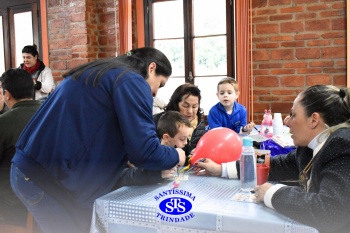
(165, 174)
(249, 127)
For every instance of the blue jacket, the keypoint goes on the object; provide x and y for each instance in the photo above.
(218, 117)
(84, 135)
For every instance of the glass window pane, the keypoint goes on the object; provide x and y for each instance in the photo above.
(208, 86)
(23, 32)
(165, 92)
(174, 50)
(168, 19)
(2, 54)
(209, 22)
(210, 56)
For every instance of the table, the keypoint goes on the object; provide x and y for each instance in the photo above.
(134, 209)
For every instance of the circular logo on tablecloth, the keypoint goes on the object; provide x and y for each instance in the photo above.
(175, 205)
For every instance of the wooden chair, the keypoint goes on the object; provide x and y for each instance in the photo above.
(30, 228)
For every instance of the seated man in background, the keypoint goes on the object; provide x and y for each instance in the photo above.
(18, 91)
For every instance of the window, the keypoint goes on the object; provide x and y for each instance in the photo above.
(198, 42)
(20, 27)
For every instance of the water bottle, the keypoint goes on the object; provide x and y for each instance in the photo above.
(248, 165)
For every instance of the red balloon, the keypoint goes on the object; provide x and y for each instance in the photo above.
(221, 145)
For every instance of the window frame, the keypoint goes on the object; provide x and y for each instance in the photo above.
(188, 38)
(7, 10)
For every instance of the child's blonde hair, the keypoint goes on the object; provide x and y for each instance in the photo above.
(228, 80)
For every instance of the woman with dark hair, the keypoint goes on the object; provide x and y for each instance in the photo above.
(320, 126)
(41, 74)
(186, 99)
(75, 148)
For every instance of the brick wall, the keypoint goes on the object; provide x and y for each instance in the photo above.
(80, 31)
(296, 43)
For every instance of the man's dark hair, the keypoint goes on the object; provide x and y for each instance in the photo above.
(18, 82)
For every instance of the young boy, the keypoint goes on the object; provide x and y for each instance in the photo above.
(173, 129)
(228, 113)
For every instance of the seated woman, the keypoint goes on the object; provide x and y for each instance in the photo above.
(320, 127)
(186, 99)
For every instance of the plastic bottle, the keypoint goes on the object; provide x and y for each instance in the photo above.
(248, 166)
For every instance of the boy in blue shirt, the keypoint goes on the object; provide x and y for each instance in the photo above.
(228, 113)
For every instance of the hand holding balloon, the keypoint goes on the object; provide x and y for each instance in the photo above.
(221, 145)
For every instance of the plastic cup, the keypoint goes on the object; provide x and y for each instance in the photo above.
(262, 173)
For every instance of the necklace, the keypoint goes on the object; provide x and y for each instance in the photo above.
(303, 177)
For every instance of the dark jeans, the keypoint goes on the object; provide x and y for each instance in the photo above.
(49, 214)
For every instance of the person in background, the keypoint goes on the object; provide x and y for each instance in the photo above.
(41, 74)
(158, 105)
(227, 112)
(17, 90)
(3, 107)
(76, 146)
(186, 99)
(320, 126)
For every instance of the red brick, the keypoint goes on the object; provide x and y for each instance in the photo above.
(304, 1)
(308, 15)
(261, 72)
(334, 70)
(260, 19)
(282, 71)
(318, 43)
(281, 107)
(78, 17)
(269, 98)
(333, 52)
(292, 27)
(282, 54)
(279, 2)
(292, 81)
(266, 12)
(259, 3)
(267, 28)
(341, 41)
(334, 35)
(322, 63)
(318, 79)
(317, 25)
(306, 36)
(293, 44)
(309, 71)
(328, 14)
(266, 81)
(339, 80)
(308, 53)
(295, 65)
(339, 24)
(281, 38)
(281, 17)
(270, 65)
(261, 55)
(292, 9)
(318, 7)
(267, 45)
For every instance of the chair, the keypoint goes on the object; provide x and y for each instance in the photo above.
(30, 228)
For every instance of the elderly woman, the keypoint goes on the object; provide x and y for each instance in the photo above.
(186, 99)
(41, 74)
(320, 124)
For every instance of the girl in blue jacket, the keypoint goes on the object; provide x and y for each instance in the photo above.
(76, 146)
